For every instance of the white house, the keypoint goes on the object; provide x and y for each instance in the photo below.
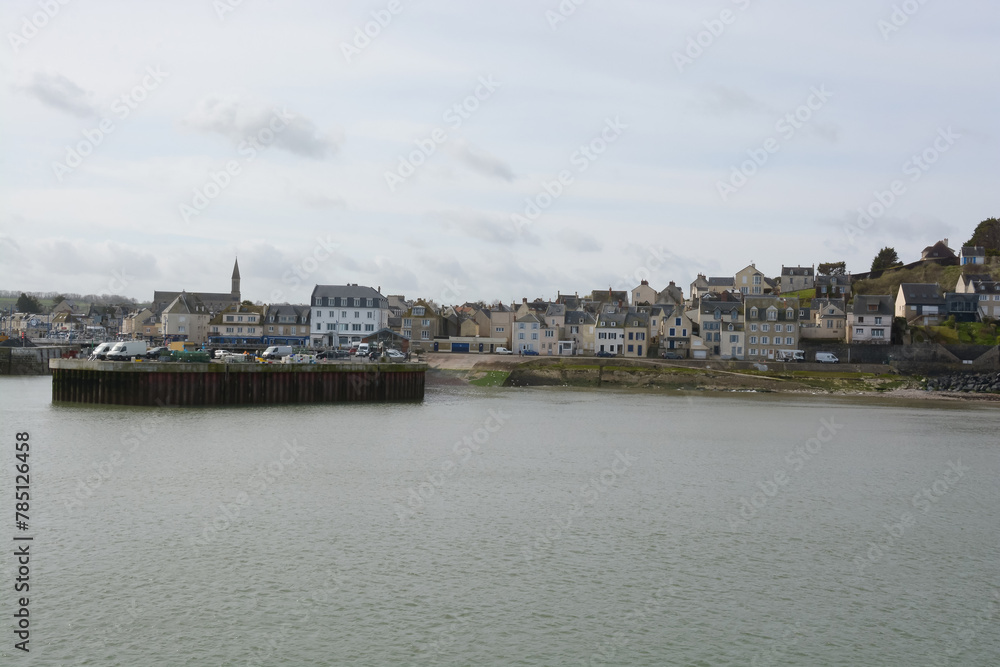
(344, 314)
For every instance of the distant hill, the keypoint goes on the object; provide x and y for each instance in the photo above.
(926, 272)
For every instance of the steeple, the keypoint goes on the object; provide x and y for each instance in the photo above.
(236, 280)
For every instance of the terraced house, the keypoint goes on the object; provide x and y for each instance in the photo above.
(636, 333)
(610, 331)
(771, 323)
(343, 314)
(870, 319)
(237, 324)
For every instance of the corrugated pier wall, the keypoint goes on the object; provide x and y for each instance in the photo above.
(177, 384)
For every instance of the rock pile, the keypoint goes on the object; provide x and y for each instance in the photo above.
(970, 382)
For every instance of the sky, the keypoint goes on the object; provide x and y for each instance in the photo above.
(463, 151)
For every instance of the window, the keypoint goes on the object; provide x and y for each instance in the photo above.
(549, 333)
(733, 338)
(677, 321)
(765, 327)
(753, 312)
(355, 327)
(673, 332)
(777, 327)
(371, 314)
(534, 325)
(753, 341)
(407, 322)
(878, 320)
(319, 301)
(630, 336)
(498, 329)
(425, 323)
(229, 330)
(859, 331)
(534, 336)
(630, 349)
(600, 334)
(772, 314)
(752, 351)
(765, 340)
(425, 335)
(239, 329)
(369, 327)
(230, 318)
(520, 325)
(407, 333)
(789, 340)
(343, 313)
(878, 333)
(368, 302)
(357, 314)
(319, 327)
(329, 326)
(574, 330)
(520, 336)
(418, 311)
(753, 327)
(684, 332)
(756, 280)
(180, 329)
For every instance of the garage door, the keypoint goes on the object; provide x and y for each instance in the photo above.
(459, 347)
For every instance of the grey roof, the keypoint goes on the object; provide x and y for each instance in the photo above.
(939, 249)
(986, 287)
(763, 303)
(236, 269)
(884, 304)
(960, 296)
(555, 310)
(818, 305)
(214, 301)
(636, 319)
(350, 291)
(530, 317)
(833, 280)
(576, 317)
(797, 270)
(606, 319)
(710, 306)
(928, 293)
(186, 304)
(973, 251)
(300, 313)
(721, 281)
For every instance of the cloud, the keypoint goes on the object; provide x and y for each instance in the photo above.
(240, 120)
(483, 225)
(725, 100)
(579, 241)
(479, 160)
(58, 92)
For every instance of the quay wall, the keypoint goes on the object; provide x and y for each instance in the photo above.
(188, 384)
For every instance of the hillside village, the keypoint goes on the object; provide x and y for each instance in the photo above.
(744, 316)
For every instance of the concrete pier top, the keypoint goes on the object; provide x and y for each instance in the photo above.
(240, 367)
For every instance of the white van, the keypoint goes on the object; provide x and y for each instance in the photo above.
(826, 358)
(277, 352)
(363, 350)
(127, 350)
(101, 351)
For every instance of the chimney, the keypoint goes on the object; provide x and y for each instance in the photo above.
(524, 299)
(946, 241)
(644, 282)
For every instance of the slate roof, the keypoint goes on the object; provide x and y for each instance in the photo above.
(973, 251)
(884, 304)
(615, 318)
(636, 319)
(555, 310)
(925, 293)
(577, 317)
(721, 281)
(300, 314)
(797, 270)
(349, 291)
(185, 303)
(937, 251)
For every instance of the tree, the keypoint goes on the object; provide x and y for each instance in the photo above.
(987, 234)
(832, 269)
(27, 304)
(885, 258)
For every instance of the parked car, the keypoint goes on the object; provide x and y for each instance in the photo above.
(363, 350)
(503, 350)
(530, 353)
(604, 353)
(333, 354)
(827, 358)
(156, 352)
(127, 350)
(672, 355)
(395, 354)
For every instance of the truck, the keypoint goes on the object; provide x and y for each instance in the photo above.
(127, 350)
(790, 355)
(827, 358)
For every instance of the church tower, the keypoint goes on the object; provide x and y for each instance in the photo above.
(236, 281)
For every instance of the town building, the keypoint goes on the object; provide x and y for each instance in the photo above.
(343, 314)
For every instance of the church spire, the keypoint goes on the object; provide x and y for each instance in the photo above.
(236, 280)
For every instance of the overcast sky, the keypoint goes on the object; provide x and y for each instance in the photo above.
(146, 144)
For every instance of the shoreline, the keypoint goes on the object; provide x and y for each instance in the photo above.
(656, 375)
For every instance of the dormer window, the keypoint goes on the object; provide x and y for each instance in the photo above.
(418, 311)
(753, 312)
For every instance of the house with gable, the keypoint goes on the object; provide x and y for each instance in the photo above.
(643, 294)
(827, 320)
(796, 278)
(238, 324)
(528, 332)
(988, 290)
(579, 329)
(636, 334)
(971, 255)
(287, 324)
(771, 324)
(920, 303)
(185, 318)
(610, 331)
(939, 252)
(719, 328)
(869, 319)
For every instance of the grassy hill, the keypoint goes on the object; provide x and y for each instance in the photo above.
(946, 276)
